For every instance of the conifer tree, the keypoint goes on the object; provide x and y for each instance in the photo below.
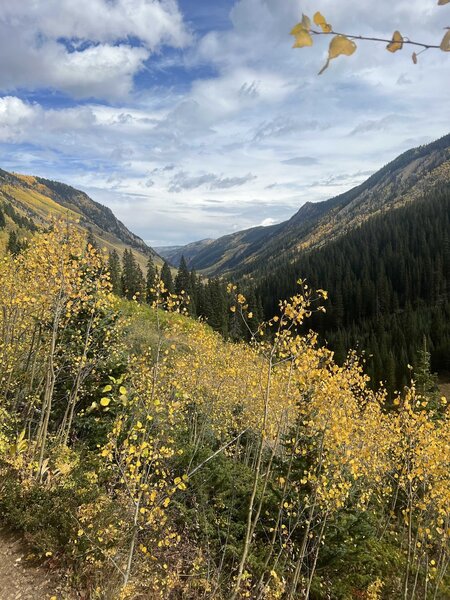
(115, 272)
(14, 246)
(133, 282)
(426, 381)
(166, 278)
(183, 279)
(183, 286)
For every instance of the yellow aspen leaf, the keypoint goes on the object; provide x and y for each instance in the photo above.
(303, 39)
(445, 44)
(105, 401)
(397, 42)
(294, 31)
(122, 390)
(306, 22)
(339, 45)
(320, 20)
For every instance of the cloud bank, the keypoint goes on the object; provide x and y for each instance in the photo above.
(192, 124)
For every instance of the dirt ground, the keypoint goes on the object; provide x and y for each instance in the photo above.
(20, 577)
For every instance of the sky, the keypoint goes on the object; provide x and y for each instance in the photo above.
(192, 119)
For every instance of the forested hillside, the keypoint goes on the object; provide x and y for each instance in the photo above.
(381, 250)
(389, 287)
(30, 202)
(150, 458)
(409, 177)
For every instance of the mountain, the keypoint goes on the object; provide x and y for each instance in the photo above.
(173, 254)
(404, 180)
(31, 202)
(388, 282)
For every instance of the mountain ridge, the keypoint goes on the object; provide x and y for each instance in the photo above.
(38, 200)
(404, 179)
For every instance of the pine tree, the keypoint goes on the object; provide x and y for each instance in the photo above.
(426, 381)
(183, 279)
(14, 246)
(166, 278)
(115, 272)
(183, 286)
(133, 282)
(2, 219)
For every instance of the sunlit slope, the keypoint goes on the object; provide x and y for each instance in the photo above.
(40, 200)
(410, 177)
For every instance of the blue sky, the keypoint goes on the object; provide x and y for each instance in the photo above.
(193, 119)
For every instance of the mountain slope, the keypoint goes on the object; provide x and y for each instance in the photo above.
(389, 288)
(33, 201)
(173, 254)
(406, 179)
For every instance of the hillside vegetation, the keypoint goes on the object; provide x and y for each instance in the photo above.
(408, 178)
(32, 202)
(389, 286)
(153, 459)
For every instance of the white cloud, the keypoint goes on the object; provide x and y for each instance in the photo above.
(184, 181)
(151, 21)
(267, 222)
(83, 47)
(248, 134)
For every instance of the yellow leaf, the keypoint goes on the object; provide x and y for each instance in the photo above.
(122, 390)
(442, 2)
(397, 42)
(297, 29)
(414, 57)
(341, 45)
(306, 22)
(445, 44)
(105, 401)
(320, 20)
